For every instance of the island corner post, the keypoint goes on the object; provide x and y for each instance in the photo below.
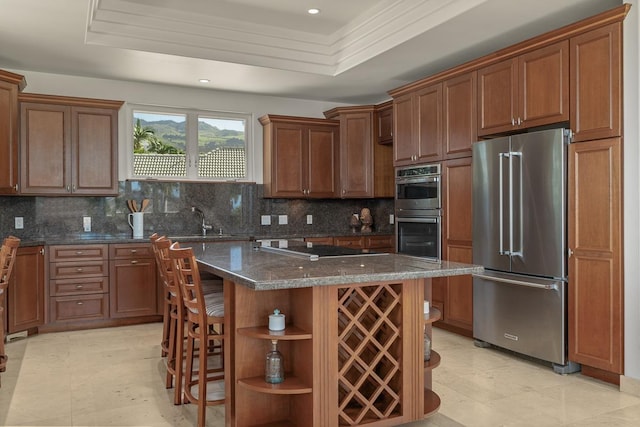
(353, 355)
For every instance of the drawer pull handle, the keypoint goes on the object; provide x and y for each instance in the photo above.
(79, 270)
(79, 286)
(78, 252)
(79, 303)
(133, 251)
(134, 262)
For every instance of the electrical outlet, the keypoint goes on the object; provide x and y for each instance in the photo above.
(283, 220)
(19, 223)
(86, 223)
(265, 220)
(309, 219)
(392, 219)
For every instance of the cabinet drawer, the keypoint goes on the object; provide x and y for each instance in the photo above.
(77, 252)
(349, 242)
(126, 251)
(319, 240)
(377, 242)
(89, 285)
(84, 307)
(64, 270)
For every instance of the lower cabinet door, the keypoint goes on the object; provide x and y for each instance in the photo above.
(79, 307)
(25, 293)
(132, 288)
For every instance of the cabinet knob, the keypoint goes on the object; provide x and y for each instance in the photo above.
(513, 121)
(68, 189)
(79, 303)
(134, 261)
(519, 121)
(79, 286)
(15, 187)
(79, 270)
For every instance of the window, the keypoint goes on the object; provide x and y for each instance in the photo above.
(189, 145)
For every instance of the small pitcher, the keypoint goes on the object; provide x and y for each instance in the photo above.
(136, 222)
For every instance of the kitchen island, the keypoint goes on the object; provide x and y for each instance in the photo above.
(353, 342)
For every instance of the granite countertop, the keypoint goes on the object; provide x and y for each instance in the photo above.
(93, 238)
(259, 269)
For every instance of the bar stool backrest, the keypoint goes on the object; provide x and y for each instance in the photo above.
(7, 259)
(187, 276)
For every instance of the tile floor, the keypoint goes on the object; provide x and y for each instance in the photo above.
(110, 377)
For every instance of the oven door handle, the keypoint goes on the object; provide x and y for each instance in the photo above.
(422, 179)
(423, 220)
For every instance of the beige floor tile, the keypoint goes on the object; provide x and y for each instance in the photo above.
(115, 377)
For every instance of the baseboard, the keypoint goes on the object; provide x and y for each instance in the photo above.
(630, 385)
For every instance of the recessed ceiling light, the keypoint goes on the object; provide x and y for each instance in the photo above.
(204, 80)
(313, 11)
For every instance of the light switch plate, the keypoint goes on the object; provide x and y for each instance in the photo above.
(19, 223)
(283, 220)
(86, 223)
(309, 219)
(265, 220)
(392, 219)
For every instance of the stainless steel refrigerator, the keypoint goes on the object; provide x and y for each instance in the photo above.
(519, 236)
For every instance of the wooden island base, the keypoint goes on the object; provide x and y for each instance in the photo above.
(353, 355)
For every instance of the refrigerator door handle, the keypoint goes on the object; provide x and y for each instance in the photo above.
(516, 282)
(513, 155)
(501, 250)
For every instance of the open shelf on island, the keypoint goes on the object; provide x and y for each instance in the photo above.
(283, 423)
(433, 362)
(433, 316)
(431, 402)
(291, 385)
(290, 333)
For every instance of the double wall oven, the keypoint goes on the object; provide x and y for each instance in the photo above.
(418, 211)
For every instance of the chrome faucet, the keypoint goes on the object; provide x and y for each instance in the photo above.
(205, 226)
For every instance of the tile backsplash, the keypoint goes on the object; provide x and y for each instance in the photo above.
(236, 208)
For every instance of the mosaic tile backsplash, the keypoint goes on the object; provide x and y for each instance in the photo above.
(236, 208)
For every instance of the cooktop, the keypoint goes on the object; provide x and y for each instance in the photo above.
(320, 251)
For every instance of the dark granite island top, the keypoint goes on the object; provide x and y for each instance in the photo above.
(353, 342)
(261, 269)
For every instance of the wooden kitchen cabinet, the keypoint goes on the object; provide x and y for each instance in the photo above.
(132, 280)
(376, 243)
(365, 167)
(596, 83)
(459, 115)
(78, 284)
(384, 121)
(300, 157)
(25, 293)
(595, 289)
(455, 294)
(68, 146)
(436, 122)
(526, 91)
(417, 121)
(10, 85)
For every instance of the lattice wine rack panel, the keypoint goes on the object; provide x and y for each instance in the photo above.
(369, 353)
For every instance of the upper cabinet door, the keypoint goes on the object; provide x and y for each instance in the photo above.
(322, 154)
(428, 119)
(404, 132)
(497, 97)
(526, 91)
(45, 149)
(95, 151)
(460, 128)
(287, 177)
(356, 154)
(8, 137)
(596, 68)
(543, 91)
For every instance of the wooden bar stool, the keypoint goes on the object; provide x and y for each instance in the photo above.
(205, 325)
(7, 258)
